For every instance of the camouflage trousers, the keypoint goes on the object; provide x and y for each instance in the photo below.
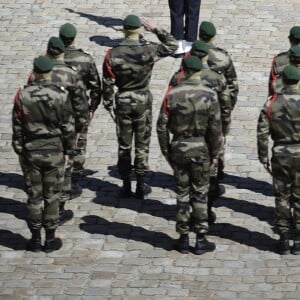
(80, 151)
(43, 175)
(286, 182)
(67, 182)
(191, 186)
(134, 120)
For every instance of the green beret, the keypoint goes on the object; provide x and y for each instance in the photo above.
(132, 22)
(199, 46)
(55, 46)
(67, 31)
(207, 28)
(42, 64)
(192, 62)
(295, 32)
(290, 73)
(295, 52)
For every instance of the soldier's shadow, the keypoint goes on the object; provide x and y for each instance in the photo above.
(249, 183)
(244, 236)
(12, 180)
(259, 211)
(96, 225)
(115, 23)
(12, 240)
(16, 208)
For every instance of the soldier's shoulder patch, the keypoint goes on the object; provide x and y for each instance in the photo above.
(72, 67)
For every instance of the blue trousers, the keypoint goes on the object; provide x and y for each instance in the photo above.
(184, 19)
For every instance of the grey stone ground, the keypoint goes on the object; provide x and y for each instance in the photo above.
(117, 249)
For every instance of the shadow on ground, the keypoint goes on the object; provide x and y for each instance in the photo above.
(249, 183)
(12, 240)
(97, 225)
(244, 236)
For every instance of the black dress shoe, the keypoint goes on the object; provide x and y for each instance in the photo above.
(52, 245)
(203, 245)
(183, 244)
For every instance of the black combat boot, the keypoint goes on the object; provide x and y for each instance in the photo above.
(64, 215)
(183, 244)
(34, 244)
(52, 243)
(296, 246)
(126, 188)
(139, 192)
(283, 244)
(203, 245)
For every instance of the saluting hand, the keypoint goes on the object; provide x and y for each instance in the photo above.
(148, 24)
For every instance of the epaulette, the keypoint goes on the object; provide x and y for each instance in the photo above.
(220, 49)
(71, 67)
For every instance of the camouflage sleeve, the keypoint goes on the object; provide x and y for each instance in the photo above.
(263, 131)
(177, 78)
(272, 77)
(108, 82)
(225, 108)
(214, 134)
(168, 43)
(17, 128)
(231, 77)
(79, 105)
(67, 125)
(94, 85)
(162, 130)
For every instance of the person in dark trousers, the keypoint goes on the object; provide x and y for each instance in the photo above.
(184, 16)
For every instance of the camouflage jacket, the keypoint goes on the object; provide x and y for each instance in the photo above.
(42, 118)
(190, 111)
(280, 119)
(216, 82)
(220, 61)
(129, 65)
(90, 79)
(67, 76)
(279, 62)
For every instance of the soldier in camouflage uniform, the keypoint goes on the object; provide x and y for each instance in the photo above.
(280, 119)
(220, 61)
(90, 82)
(43, 133)
(68, 77)
(294, 60)
(191, 113)
(282, 59)
(129, 67)
(218, 83)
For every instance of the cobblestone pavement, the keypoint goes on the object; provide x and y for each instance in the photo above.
(122, 249)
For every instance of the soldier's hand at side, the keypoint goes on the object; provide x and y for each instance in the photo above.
(112, 114)
(66, 158)
(213, 163)
(148, 24)
(267, 167)
(91, 115)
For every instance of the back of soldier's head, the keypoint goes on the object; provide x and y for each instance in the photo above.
(207, 31)
(131, 25)
(192, 64)
(55, 46)
(200, 49)
(290, 75)
(67, 33)
(42, 65)
(294, 35)
(294, 55)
